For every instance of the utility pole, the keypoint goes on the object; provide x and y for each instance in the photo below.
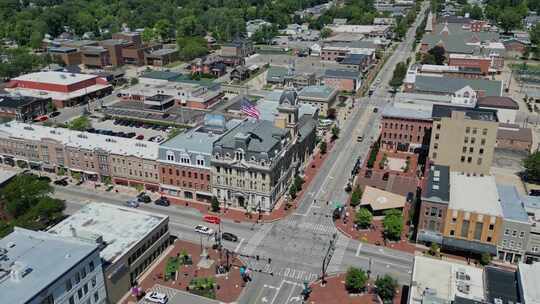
(328, 257)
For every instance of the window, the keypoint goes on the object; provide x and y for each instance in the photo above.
(452, 232)
(436, 146)
(462, 158)
(85, 288)
(469, 159)
(491, 227)
(94, 281)
(68, 285)
(79, 293)
(71, 300)
(514, 233)
(438, 126)
(436, 135)
(504, 243)
(488, 239)
(479, 161)
(465, 228)
(467, 130)
(427, 211)
(433, 211)
(473, 140)
(479, 226)
(434, 155)
(474, 130)
(483, 141)
(96, 296)
(511, 244)
(440, 213)
(521, 234)
(484, 131)
(464, 149)
(507, 232)
(77, 278)
(481, 151)
(466, 139)
(471, 150)
(534, 249)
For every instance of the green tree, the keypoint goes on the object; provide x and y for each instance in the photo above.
(191, 47)
(335, 132)
(148, 34)
(534, 34)
(363, 218)
(326, 32)
(399, 74)
(438, 54)
(163, 29)
(434, 249)
(215, 204)
(355, 280)
(265, 34)
(532, 166)
(510, 20)
(133, 81)
(386, 288)
(322, 147)
(80, 123)
(356, 196)
(49, 209)
(485, 259)
(393, 224)
(22, 193)
(476, 12)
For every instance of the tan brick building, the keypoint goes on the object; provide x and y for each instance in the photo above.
(463, 139)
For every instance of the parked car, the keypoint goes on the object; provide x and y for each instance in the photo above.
(375, 110)
(204, 230)
(156, 297)
(212, 219)
(140, 137)
(131, 134)
(132, 203)
(162, 201)
(61, 182)
(360, 138)
(143, 198)
(54, 114)
(410, 197)
(229, 237)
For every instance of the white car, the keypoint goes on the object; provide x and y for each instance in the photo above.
(204, 230)
(156, 297)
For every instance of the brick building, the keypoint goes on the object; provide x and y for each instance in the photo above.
(95, 57)
(405, 129)
(434, 206)
(487, 65)
(91, 156)
(513, 137)
(343, 80)
(23, 108)
(65, 89)
(184, 161)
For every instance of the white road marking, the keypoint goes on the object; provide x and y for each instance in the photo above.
(275, 296)
(238, 246)
(358, 249)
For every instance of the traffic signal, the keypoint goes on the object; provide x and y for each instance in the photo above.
(257, 257)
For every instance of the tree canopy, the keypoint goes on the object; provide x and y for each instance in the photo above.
(386, 287)
(80, 123)
(393, 224)
(355, 280)
(532, 166)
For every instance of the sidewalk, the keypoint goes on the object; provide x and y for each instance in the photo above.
(334, 292)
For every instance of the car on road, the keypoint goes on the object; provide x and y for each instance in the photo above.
(54, 114)
(140, 137)
(162, 201)
(132, 203)
(229, 237)
(375, 110)
(61, 182)
(156, 297)
(204, 230)
(41, 118)
(143, 198)
(360, 138)
(212, 219)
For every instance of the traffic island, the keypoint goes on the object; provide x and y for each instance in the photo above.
(188, 268)
(335, 291)
(374, 232)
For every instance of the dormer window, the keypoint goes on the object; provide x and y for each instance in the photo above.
(170, 156)
(239, 155)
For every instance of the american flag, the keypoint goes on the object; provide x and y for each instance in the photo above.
(249, 109)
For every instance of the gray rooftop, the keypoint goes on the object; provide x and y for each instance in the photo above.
(317, 92)
(409, 113)
(194, 141)
(449, 85)
(438, 185)
(44, 258)
(259, 137)
(457, 39)
(120, 227)
(347, 74)
(512, 206)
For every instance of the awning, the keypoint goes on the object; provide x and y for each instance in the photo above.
(430, 237)
(472, 246)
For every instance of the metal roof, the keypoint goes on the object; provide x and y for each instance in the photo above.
(450, 85)
(511, 203)
(347, 74)
(438, 185)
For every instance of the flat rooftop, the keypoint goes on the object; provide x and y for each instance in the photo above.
(529, 278)
(482, 190)
(438, 281)
(197, 141)
(381, 200)
(54, 77)
(407, 113)
(120, 227)
(438, 185)
(42, 258)
(323, 93)
(91, 141)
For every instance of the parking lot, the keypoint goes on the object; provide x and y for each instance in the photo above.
(146, 130)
